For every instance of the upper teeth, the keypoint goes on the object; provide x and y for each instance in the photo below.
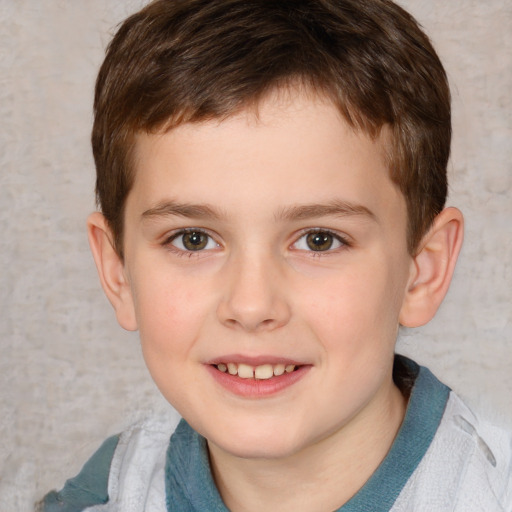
(264, 371)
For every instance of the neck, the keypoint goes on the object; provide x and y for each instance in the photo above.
(323, 476)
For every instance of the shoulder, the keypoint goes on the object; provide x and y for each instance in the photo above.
(125, 473)
(89, 487)
(467, 468)
(486, 457)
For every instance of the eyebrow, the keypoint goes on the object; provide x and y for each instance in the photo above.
(335, 208)
(171, 208)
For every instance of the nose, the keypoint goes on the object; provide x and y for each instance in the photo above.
(254, 297)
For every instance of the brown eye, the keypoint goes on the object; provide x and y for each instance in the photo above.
(194, 241)
(319, 241)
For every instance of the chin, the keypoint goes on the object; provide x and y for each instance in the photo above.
(273, 445)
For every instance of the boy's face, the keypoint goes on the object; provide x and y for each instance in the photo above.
(271, 240)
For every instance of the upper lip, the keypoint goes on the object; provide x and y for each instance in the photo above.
(254, 360)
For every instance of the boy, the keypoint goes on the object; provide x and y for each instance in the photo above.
(272, 178)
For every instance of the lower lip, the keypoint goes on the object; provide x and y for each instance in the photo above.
(257, 388)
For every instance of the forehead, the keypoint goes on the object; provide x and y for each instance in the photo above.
(291, 145)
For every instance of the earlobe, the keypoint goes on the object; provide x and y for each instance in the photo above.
(433, 268)
(111, 271)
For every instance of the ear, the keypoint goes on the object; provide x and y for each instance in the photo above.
(111, 271)
(432, 268)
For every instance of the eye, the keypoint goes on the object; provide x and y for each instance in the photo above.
(193, 240)
(319, 241)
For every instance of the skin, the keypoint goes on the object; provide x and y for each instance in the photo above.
(258, 184)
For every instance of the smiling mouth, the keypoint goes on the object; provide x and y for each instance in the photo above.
(260, 372)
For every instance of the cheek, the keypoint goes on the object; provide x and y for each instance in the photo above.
(170, 314)
(354, 310)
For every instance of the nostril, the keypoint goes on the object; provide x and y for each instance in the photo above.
(251, 323)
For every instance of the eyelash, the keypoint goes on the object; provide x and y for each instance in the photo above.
(342, 240)
(168, 242)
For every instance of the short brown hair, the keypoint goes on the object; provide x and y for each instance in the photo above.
(178, 61)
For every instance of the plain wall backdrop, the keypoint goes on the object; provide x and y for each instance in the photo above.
(69, 376)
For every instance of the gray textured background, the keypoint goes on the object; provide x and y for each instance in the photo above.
(68, 375)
